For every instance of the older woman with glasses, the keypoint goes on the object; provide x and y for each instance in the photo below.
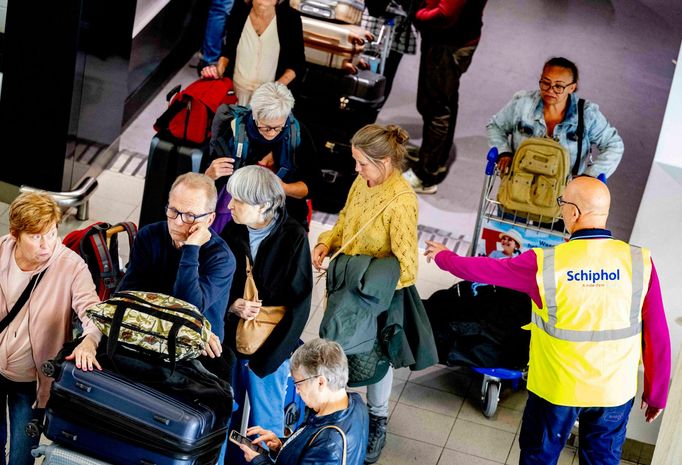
(274, 247)
(266, 134)
(337, 432)
(552, 111)
(43, 284)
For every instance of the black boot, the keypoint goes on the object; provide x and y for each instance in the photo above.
(377, 438)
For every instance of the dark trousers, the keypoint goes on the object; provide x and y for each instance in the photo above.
(546, 428)
(440, 69)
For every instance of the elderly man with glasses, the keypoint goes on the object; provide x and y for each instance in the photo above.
(597, 311)
(182, 257)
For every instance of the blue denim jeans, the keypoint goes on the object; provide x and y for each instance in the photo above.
(19, 397)
(266, 396)
(546, 428)
(215, 29)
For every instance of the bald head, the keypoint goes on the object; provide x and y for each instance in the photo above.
(592, 198)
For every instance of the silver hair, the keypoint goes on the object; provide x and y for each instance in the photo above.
(271, 101)
(322, 357)
(256, 185)
(200, 182)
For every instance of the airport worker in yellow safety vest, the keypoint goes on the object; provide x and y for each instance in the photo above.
(597, 312)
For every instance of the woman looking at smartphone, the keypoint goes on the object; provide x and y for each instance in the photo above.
(337, 429)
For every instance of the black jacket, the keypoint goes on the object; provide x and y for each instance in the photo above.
(283, 275)
(289, 31)
(306, 166)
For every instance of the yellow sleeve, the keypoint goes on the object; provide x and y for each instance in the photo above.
(403, 236)
(334, 237)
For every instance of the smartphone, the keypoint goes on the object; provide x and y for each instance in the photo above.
(239, 439)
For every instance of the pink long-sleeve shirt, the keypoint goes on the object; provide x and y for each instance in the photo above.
(519, 273)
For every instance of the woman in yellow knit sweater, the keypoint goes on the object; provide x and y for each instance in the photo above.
(379, 153)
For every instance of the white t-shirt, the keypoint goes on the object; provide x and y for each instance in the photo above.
(16, 356)
(256, 60)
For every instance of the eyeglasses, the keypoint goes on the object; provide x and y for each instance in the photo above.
(557, 88)
(296, 383)
(270, 129)
(188, 218)
(560, 201)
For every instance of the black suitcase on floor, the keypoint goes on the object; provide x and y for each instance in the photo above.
(107, 416)
(334, 105)
(167, 160)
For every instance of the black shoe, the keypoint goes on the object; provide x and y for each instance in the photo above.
(377, 438)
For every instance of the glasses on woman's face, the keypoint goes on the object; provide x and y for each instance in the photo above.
(557, 88)
(269, 129)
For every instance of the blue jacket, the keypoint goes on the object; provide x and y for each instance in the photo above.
(327, 448)
(523, 118)
(201, 276)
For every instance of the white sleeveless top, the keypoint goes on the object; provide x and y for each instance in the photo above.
(256, 60)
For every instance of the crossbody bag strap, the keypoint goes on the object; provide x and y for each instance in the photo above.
(23, 298)
(343, 437)
(366, 225)
(581, 132)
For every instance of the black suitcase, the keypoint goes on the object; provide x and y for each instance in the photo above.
(334, 105)
(167, 160)
(107, 416)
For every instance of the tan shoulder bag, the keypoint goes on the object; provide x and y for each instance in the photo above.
(251, 334)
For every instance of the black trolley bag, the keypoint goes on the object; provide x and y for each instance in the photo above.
(106, 415)
(334, 105)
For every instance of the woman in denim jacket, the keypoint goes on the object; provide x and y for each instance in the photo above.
(552, 112)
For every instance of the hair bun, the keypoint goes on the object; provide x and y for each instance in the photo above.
(399, 134)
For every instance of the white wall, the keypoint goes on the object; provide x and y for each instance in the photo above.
(659, 227)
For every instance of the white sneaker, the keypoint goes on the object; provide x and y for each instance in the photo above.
(412, 179)
(417, 185)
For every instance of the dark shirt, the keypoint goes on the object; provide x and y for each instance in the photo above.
(327, 448)
(283, 276)
(201, 276)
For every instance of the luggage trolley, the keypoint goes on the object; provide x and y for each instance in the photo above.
(492, 219)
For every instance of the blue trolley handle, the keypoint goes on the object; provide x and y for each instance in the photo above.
(492, 161)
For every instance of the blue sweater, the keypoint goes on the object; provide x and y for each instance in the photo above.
(201, 276)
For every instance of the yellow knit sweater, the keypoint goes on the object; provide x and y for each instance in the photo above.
(393, 232)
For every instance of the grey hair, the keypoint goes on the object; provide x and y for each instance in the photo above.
(200, 182)
(256, 185)
(322, 357)
(271, 101)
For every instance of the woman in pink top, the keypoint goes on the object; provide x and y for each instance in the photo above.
(42, 325)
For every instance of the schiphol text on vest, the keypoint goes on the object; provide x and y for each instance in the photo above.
(593, 276)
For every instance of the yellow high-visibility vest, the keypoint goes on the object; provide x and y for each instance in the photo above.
(586, 339)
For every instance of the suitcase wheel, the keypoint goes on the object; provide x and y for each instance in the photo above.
(48, 369)
(33, 429)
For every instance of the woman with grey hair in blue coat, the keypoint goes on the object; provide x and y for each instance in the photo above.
(337, 432)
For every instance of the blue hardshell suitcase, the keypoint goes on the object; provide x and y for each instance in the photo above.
(107, 416)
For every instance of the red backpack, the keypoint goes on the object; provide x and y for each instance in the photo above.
(98, 246)
(190, 112)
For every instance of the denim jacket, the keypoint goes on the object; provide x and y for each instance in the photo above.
(523, 118)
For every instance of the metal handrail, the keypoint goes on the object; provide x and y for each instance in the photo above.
(79, 197)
